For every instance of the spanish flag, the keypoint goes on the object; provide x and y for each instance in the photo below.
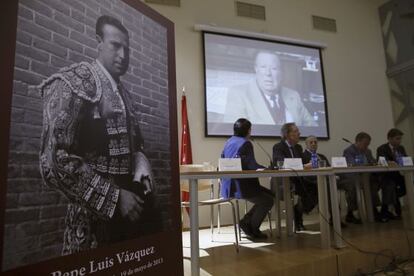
(186, 155)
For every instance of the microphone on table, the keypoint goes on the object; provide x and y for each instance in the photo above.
(272, 167)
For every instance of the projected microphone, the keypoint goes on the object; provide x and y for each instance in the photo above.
(263, 149)
(346, 140)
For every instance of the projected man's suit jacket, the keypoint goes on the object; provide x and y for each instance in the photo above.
(247, 101)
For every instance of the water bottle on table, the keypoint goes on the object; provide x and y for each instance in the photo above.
(314, 160)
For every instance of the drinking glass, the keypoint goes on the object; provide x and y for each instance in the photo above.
(279, 164)
(322, 163)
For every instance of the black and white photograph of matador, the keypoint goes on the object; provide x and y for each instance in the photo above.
(99, 171)
(92, 149)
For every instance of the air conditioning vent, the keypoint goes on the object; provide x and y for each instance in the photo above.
(250, 10)
(324, 23)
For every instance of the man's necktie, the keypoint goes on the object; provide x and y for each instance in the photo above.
(395, 153)
(291, 152)
(278, 110)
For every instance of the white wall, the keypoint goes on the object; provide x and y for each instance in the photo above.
(354, 65)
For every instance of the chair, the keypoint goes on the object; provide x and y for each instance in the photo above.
(238, 215)
(205, 184)
(224, 165)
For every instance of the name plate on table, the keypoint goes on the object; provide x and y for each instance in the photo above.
(382, 161)
(229, 164)
(293, 163)
(407, 161)
(339, 162)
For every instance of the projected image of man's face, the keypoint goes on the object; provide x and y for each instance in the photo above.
(268, 73)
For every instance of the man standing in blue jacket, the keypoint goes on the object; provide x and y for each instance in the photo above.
(239, 146)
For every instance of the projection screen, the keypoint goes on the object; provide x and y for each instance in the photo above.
(267, 82)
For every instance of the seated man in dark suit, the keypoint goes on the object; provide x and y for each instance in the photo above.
(358, 154)
(391, 151)
(307, 191)
(311, 143)
(239, 146)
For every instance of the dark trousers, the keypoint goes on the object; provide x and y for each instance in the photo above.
(393, 187)
(307, 191)
(308, 199)
(348, 185)
(263, 202)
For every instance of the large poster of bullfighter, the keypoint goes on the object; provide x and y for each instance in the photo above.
(90, 172)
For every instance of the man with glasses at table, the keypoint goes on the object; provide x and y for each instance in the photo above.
(307, 191)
